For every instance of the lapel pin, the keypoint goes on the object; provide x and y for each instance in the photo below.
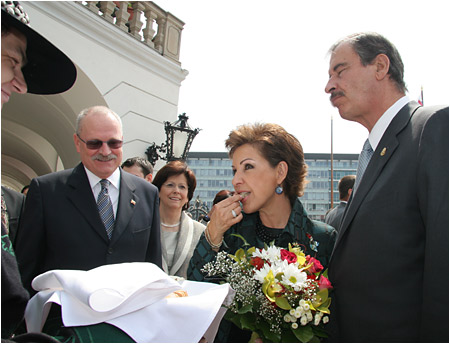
(383, 152)
(133, 202)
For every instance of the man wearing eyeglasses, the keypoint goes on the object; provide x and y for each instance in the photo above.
(68, 222)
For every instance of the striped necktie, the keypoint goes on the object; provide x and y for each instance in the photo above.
(363, 161)
(105, 209)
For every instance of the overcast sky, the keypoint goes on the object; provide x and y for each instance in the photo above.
(259, 60)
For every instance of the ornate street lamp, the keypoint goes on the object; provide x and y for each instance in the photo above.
(198, 210)
(179, 137)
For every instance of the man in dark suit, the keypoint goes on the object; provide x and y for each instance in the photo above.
(334, 216)
(61, 227)
(390, 266)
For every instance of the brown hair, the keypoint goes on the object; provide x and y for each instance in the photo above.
(275, 144)
(174, 168)
(221, 195)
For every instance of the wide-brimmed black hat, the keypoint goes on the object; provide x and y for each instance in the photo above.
(48, 70)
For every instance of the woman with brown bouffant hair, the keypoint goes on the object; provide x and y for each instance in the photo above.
(269, 177)
(179, 233)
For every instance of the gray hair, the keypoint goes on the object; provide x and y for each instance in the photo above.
(368, 45)
(97, 108)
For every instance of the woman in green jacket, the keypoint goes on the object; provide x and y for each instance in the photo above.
(269, 177)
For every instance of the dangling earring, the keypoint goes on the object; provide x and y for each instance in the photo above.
(279, 190)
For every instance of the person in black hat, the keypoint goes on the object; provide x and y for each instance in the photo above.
(30, 63)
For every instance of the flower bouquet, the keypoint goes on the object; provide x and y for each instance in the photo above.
(281, 295)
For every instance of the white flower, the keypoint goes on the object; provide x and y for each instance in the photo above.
(287, 318)
(294, 326)
(297, 314)
(272, 254)
(317, 318)
(303, 320)
(309, 316)
(306, 307)
(262, 273)
(294, 277)
(325, 319)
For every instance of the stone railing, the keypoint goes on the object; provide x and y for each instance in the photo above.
(130, 16)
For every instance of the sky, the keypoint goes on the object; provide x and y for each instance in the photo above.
(266, 61)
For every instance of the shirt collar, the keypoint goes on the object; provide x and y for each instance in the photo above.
(383, 122)
(114, 178)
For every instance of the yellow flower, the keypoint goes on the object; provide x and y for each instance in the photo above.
(321, 301)
(270, 287)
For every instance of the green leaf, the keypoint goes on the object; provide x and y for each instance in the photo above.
(245, 309)
(283, 303)
(239, 255)
(248, 321)
(267, 334)
(288, 337)
(304, 333)
(242, 238)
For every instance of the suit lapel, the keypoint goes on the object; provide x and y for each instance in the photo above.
(79, 192)
(127, 203)
(384, 151)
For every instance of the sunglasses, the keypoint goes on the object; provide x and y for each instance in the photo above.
(96, 144)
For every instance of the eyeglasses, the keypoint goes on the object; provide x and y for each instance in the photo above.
(173, 186)
(96, 144)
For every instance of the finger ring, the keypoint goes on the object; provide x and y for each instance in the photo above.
(233, 213)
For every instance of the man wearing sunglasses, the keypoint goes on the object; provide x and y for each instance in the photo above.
(63, 225)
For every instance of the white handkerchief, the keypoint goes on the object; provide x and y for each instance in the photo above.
(97, 295)
(130, 296)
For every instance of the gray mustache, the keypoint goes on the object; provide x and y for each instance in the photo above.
(336, 94)
(102, 157)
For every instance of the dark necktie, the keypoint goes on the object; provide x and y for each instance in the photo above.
(105, 209)
(363, 161)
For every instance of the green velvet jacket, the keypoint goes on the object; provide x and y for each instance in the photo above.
(316, 239)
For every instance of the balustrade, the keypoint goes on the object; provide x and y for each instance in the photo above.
(145, 21)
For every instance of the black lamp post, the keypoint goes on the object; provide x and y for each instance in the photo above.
(179, 137)
(198, 210)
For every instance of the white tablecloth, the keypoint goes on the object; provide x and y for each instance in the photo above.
(130, 296)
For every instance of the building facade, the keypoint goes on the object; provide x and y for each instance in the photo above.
(213, 173)
(127, 58)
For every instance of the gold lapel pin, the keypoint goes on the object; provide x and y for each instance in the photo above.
(133, 202)
(383, 152)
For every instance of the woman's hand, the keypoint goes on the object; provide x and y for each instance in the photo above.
(223, 215)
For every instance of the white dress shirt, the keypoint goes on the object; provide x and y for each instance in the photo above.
(113, 188)
(380, 127)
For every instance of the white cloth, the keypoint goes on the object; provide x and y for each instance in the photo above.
(130, 296)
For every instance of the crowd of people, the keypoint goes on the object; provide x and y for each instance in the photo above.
(385, 244)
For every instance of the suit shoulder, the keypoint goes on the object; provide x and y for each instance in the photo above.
(436, 113)
(54, 176)
(13, 194)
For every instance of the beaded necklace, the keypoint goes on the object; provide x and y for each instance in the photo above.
(266, 234)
